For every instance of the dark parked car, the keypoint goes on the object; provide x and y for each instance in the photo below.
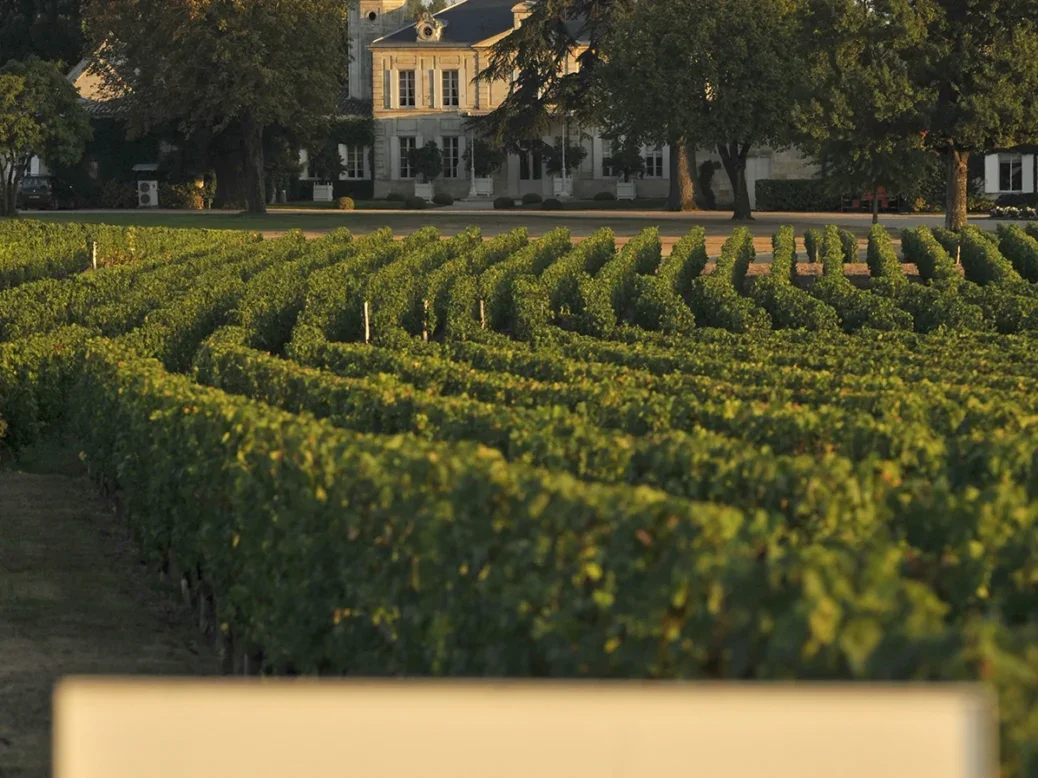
(46, 192)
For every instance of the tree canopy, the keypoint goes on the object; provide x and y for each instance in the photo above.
(982, 60)
(861, 113)
(716, 73)
(222, 63)
(40, 116)
(48, 29)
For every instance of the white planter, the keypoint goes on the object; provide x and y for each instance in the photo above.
(484, 187)
(625, 190)
(560, 190)
(424, 191)
(323, 193)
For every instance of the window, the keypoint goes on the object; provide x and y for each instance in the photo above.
(451, 157)
(1010, 173)
(407, 145)
(654, 162)
(407, 89)
(451, 89)
(608, 171)
(353, 160)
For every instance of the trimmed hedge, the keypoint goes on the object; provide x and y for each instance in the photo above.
(685, 264)
(813, 239)
(789, 306)
(504, 203)
(1021, 249)
(855, 307)
(882, 259)
(609, 297)
(716, 300)
(983, 262)
(795, 195)
(921, 248)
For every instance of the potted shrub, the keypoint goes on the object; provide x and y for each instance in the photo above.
(427, 163)
(489, 160)
(628, 163)
(553, 161)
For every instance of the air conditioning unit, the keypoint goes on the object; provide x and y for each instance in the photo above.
(147, 194)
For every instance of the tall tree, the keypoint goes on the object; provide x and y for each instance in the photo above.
(982, 58)
(861, 113)
(49, 29)
(544, 87)
(720, 72)
(40, 115)
(653, 86)
(222, 63)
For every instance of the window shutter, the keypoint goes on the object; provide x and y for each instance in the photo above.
(387, 89)
(394, 88)
(463, 85)
(434, 97)
(304, 162)
(991, 174)
(666, 161)
(1028, 173)
(344, 159)
(366, 152)
(394, 157)
(597, 156)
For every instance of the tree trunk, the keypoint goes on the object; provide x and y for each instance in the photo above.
(733, 158)
(9, 191)
(255, 181)
(682, 178)
(693, 165)
(958, 189)
(875, 204)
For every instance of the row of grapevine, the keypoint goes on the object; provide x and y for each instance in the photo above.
(599, 499)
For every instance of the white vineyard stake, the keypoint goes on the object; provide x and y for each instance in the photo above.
(425, 320)
(367, 323)
(93, 254)
(482, 315)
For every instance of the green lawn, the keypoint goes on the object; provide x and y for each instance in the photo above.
(73, 601)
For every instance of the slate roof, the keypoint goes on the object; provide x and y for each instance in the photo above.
(468, 23)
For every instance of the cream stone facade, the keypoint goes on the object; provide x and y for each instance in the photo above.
(420, 79)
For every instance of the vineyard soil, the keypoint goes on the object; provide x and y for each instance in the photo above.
(74, 599)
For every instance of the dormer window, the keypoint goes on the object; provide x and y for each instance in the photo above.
(430, 29)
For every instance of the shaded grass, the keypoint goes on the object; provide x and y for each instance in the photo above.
(74, 600)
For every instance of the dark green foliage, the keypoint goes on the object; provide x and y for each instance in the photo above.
(922, 249)
(415, 203)
(812, 244)
(983, 262)
(795, 195)
(442, 198)
(882, 258)
(532, 198)
(1020, 249)
(552, 204)
(716, 298)
(604, 197)
(789, 306)
(504, 203)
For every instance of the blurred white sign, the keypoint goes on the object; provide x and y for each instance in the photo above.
(310, 729)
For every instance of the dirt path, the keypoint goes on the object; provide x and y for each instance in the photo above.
(74, 600)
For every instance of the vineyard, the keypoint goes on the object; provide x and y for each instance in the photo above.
(428, 456)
